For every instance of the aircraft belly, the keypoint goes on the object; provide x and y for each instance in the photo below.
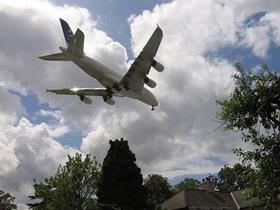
(109, 78)
(101, 73)
(145, 96)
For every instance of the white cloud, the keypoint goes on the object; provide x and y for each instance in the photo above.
(187, 89)
(8, 158)
(30, 153)
(38, 32)
(178, 138)
(186, 133)
(46, 113)
(257, 38)
(261, 33)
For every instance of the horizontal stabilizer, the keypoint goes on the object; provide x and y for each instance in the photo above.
(55, 57)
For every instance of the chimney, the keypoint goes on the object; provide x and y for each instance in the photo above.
(207, 185)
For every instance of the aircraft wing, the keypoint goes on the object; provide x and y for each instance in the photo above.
(136, 76)
(81, 91)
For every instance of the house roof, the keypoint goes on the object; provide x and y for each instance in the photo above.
(194, 199)
(240, 200)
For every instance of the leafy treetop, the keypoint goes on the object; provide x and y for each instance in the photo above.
(73, 187)
(254, 109)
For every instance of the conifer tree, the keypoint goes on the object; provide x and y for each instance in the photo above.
(121, 180)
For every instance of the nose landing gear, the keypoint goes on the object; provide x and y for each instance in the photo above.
(153, 108)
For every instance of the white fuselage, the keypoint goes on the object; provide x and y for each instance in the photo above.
(108, 78)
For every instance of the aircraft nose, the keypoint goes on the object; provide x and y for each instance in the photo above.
(155, 102)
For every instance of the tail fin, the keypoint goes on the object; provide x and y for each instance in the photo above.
(76, 45)
(68, 34)
(75, 42)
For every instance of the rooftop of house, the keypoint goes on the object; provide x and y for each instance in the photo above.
(207, 198)
(202, 199)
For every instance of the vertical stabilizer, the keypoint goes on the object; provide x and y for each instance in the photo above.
(76, 45)
(68, 34)
(75, 42)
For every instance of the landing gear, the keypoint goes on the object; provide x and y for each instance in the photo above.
(117, 87)
(82, 97)
(153, 108)
(126, 86)
(110, 92)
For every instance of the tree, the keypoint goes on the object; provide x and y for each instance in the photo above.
(230, 179)
(121, 180)
(158, 189)
(7, 201)
(73, 187)
(254, 110)
(187, 183)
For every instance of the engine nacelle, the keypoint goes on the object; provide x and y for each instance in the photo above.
(109, 101)
(157, 65)
(151, 83)
(86, 99)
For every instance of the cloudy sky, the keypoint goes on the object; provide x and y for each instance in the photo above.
(202, 39)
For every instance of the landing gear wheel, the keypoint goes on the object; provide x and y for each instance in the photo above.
(126, 87)
(153, 108)
(82, 98)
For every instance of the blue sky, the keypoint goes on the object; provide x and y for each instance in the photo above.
(112, 18)
(202, 39)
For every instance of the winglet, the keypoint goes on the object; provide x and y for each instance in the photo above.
(68, 34)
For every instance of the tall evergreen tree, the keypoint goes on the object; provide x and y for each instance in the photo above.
(121, 180)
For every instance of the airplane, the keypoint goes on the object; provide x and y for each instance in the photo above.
(115, 85)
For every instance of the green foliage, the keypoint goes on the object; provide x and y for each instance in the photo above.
(255, 101)
(121, 180)
(230, 179)
(254, 109)
(158, 189)
(73, 187)
(187, 183)
(7, 201)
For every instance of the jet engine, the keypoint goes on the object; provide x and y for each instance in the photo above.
(109, 101)
(151, 83)
(86, 99)
(157, 65)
